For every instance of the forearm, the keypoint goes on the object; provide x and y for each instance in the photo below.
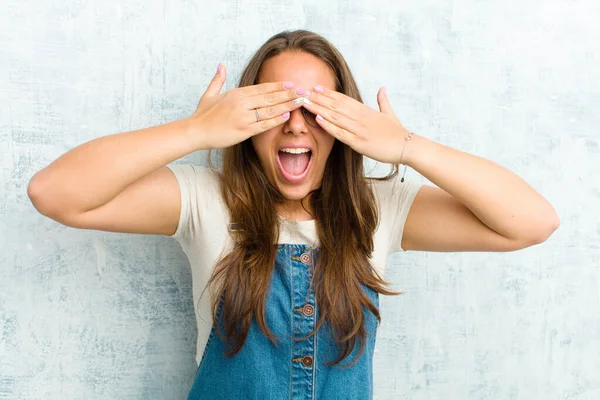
(495, 195)
(95, 172)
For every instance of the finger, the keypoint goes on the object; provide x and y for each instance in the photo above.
(340, 134)
(271, 98)
(333, 117)
(270, 112)
(338, 102)
(263, 88)
(335, 95)
(383, 102)
(266, 124)
(278, 109)
(215, 86)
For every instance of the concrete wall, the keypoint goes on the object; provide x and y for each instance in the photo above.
(92, 315)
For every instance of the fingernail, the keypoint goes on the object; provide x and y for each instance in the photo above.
(298, 100)
(285, 115)
(288, 85)
(219, 67)
(300, 91)
(319, 118)
(306, 101)
(319, 89)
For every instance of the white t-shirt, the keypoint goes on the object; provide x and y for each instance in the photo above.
(203, 235)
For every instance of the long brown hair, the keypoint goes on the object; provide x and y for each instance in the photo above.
(345, 213)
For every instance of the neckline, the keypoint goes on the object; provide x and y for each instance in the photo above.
(304, 222)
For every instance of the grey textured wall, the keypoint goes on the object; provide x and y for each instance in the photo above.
(91, 315)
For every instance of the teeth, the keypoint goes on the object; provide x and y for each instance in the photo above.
(298, 150)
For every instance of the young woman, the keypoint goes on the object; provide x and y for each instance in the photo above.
(290, 237)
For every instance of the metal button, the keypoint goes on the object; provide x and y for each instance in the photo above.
(308, 310)
(306, 258)
(307, 361)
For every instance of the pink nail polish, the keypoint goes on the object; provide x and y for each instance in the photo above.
(319, 118)
(288, 85)
(219, 67)
(285, 115)
(300, 91)
(319, 89)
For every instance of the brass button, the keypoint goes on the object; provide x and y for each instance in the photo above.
(307, 361)
(308, 310)
(305, 258)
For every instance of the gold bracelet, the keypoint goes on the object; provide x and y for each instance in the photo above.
(408, 138)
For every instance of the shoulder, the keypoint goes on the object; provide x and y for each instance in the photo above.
(394, 200)
(195, 178)
(200, 186)
(202, 206)
(393, 193)
(195, 172)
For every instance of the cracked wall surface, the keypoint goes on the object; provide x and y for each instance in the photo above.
(93, 315)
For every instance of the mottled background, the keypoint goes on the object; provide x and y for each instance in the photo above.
(92, 315)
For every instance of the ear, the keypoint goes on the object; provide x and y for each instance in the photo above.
(384, 104)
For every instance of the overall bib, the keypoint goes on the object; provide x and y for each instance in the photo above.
(289, 369)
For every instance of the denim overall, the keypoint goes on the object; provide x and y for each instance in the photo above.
(293, 370)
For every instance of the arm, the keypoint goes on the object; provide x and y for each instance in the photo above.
(120, 183)
(479, 205)
(117, 182)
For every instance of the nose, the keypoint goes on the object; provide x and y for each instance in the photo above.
(296, 124)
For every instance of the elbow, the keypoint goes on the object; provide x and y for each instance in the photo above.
(37, 191)
(551, 224)
(544, 229)
(49, 204)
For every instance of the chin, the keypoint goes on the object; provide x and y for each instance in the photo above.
(295, 193)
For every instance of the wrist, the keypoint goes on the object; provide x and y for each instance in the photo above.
(405, 152)
(194, 133)
(421, 152)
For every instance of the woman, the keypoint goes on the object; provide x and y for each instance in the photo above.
(290, 238)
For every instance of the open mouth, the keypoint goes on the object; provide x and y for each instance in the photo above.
(294, 163)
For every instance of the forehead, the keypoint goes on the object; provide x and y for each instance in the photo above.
(304, 69)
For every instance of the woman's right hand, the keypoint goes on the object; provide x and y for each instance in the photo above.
(223, 120)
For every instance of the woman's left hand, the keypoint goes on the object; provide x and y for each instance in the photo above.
(378, 135)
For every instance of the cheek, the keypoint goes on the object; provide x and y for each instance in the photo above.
(262, 144)
(326, 142)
